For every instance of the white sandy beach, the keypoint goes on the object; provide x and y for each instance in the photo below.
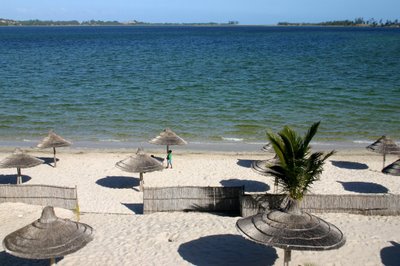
(111, 203)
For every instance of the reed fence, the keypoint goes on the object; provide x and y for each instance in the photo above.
(204, 199)
(44, 195)
(358, 204)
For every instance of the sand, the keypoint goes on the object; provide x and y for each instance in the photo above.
(111, 204)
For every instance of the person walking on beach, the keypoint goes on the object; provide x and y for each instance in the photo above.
(169, 159)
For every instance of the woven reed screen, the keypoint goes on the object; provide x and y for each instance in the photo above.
(357, 204)
(206, 199)
(63, 197)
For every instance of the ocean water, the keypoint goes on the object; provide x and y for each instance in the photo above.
(208, 84)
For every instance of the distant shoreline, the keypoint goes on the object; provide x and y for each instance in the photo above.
(359, 22)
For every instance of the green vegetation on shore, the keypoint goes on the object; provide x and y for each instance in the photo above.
(36, 22)
(358, 22)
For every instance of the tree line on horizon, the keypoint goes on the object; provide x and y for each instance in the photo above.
(350, 23)
(37, 22)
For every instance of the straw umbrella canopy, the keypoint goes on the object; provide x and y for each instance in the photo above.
(384, 145)
(291, 229)
(140, 163)
(53, 141)
(168, 137)
(393, 168)
(48, 237)
(267, 147)
(18, 159)
(262, 167)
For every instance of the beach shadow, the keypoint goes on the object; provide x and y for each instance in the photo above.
(364, 187)
(118, 182)
(350, 165)
(249, 185)
(390, 255)
(226, 250)
(244, 162)
(10, 260)
(48, 160)
(137, 208)
(12, 179)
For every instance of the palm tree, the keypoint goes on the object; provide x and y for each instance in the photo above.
(290, 228)
(297, 169)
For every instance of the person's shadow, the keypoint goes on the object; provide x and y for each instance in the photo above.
(391, 255)
(226, 250)
(12, 179)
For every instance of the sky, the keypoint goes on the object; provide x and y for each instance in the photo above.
(180, 11)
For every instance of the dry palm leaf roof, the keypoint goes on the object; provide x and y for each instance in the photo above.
(168, 137)
(48, 237)
(384, 145)
(53, 141)
(19, 159)
(291, 231)
(139, 163)
(393, 168)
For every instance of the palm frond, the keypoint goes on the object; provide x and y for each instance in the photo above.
(296, 169)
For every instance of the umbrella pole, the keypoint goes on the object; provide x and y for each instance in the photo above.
(141, 181)
(384, 159)
(52, 261)
(276, 185)
(55, 160)
(19, 178)
(287, 256)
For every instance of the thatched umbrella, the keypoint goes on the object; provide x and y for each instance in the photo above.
(291, 229)
(262, 167)
(267, 147)
(140, 163)
(53, 141)
(168, 137)
(384, 145)
(48, 237)
(19, 160)
(393, 168)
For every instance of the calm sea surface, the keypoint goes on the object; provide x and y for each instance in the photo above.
(208, 84)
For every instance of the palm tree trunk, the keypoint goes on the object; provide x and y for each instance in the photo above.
(292, 206)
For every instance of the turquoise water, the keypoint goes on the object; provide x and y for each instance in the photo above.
(209, 84)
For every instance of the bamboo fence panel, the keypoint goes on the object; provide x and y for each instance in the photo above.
(207, 199)
(357, 204)
(63, 197)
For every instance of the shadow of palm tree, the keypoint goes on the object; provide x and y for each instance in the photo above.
(118, 182)
(48, 160)
(249, 185)
(390, 255)
(12, 179)
(350, 165)
(244, 162)
(137, 208)
(10, 260)
(364, 187)
(226, 250)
